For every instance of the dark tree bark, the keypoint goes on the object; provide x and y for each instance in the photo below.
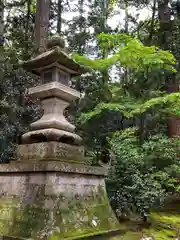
(1, 22)
(152, 22)
(27, 23)
(42, 24)
(164, 13)
(126, 29)
(81, 27)
(104, 29)
(126, 25)
(59, 18)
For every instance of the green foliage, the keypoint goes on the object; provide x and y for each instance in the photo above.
(16, 109)
(141, 93)
(167, 100)
(134, 108)
(131, 53)
(144, 172)
(142, 175)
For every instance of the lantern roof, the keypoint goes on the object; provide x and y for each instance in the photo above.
(54, 57)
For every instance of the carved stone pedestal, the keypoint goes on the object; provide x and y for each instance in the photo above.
(54, 200)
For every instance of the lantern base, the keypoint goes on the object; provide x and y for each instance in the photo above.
(51, 134)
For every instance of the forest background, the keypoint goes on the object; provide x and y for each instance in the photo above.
(129, 113)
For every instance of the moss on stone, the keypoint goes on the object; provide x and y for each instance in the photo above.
(32, 221)
(74, 215)
(65, 217)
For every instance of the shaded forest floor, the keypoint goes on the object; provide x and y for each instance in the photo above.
(161, 225)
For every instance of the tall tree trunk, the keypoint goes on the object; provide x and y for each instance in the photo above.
(164, 13)
(105, 154)
(126, 25)
(126, 29)
(104, 29)
(81, 9)
(1, 22)
(42, 24)
(81, 27)
(27, 25)
(59, 18)
(152, 22)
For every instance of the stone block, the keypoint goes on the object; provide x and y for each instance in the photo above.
(36, 178)
(46, 203)
(49, 151)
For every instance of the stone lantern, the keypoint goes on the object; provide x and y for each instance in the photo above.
(50, 192)
(55, 70)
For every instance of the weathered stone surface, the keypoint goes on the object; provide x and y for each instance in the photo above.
(56, 40)
(53, 116)
(46, 151)
(52, 166)
(53, 126)
(54, 55)
(53, 205)
(54, 89)
(49, 135)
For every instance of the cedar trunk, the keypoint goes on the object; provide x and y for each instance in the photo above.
(164, 13)
(42, 24)
(1, 22)
(59, 19)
